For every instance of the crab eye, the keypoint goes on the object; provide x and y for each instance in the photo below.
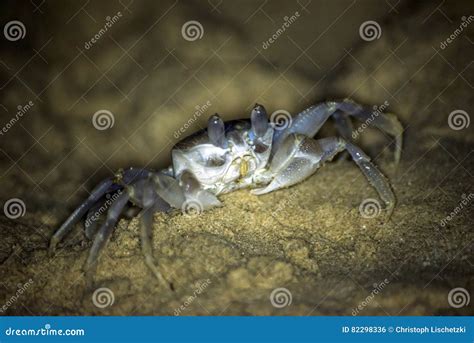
(216, 131)
(259, 120)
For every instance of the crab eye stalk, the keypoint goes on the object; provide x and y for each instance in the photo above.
(216, 131)
(259, 120)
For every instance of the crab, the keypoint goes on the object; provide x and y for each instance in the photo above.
(259, 154)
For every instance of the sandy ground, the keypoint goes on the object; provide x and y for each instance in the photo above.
(310, 239)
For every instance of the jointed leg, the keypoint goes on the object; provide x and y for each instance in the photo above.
(300, 156)
(103, 234)
(93, 220)
(108, 185)
(373, 175)
(386, 122)
(79, 212)
(147, 248)
(343, 125)
(131, 175)
(144, 194)
(310, 121)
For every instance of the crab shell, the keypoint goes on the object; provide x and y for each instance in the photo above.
(241, 163)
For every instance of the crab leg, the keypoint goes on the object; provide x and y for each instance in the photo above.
(147, 247)
(259, 120)
(300, 156)
(79, 212)
(91, 224)
(312, 119)
(195, 195)
(216, 131)
(373, 175)
(104, 233)
(343, 125)
(107, 185)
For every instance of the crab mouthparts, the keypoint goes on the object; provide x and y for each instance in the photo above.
(244, 168)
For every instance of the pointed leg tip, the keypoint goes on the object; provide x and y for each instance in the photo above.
(260, 191)
(89, 270)
(389, 210)
(164, 282)
(52, 247)
(89, 278)
(158, 274)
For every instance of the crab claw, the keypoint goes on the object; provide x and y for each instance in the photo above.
(259, 120)
(195, 195)
(216, 131)
(169, 189)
